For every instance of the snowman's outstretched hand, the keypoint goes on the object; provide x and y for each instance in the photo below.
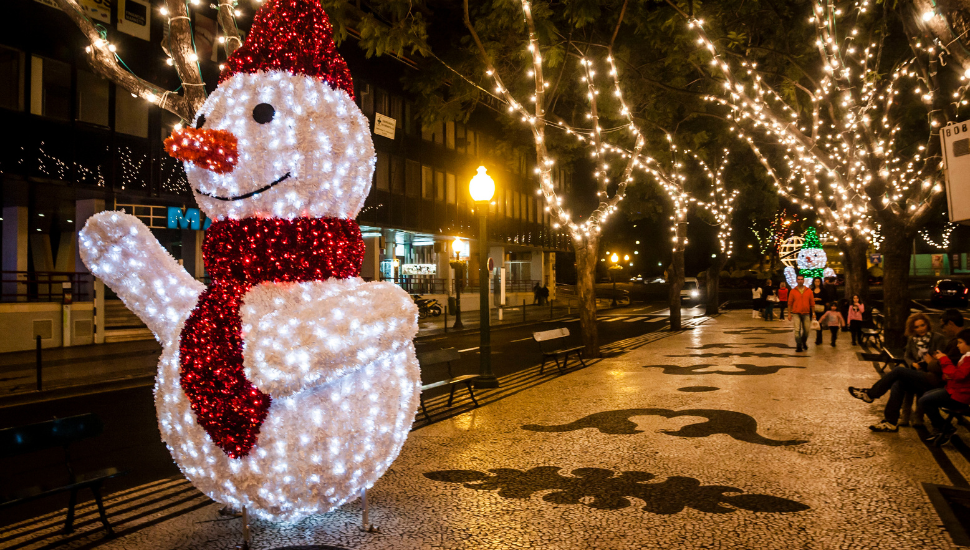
(301, 335)
(121, 251)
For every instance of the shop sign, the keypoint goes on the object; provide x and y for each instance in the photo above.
(190, 219)
(135, 18)
(937, 260)
(384, 126)
(419, 269)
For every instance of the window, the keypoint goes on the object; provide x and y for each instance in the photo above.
(451, 190)
(470, 139)
(517, 205)
(397, 110)
(439, 133)
(50, 88)
(460, 143)
(439, 186)
(131, 114)
(499, 202)
(412, 178)
(427, 182)
(532, 208)
(397, 175)
(408, 115)
(508, 204)
(11, 79)
(365, 95)
(382, 102)
(92, 98)
(450, 134)
(382, 173)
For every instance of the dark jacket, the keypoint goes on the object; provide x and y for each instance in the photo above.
(911, 354)
(830, 293)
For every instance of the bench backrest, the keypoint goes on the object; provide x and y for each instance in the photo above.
(550, 340)
(553, 334)
(59, 432)
(437, 357)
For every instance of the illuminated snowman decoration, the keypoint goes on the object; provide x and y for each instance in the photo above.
(807, 255)
(289, 384)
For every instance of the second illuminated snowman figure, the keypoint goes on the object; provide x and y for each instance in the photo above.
(289, 384)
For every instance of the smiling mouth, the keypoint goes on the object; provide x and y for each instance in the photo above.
(247, 195)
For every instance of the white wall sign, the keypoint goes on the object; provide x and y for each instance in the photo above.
(419, 269)
(955, 139)
(135, 18)
(384, 126)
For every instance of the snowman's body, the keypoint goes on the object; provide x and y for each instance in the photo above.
(325, 386)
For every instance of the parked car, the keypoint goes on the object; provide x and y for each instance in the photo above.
(637, 279)
(948, 292)
(690, 293)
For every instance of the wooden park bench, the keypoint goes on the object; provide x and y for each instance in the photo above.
(42, 436)
(445, 356)
(891, 358)
(552, 343)
(872, 332)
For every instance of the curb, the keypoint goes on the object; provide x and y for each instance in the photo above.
(30, 398)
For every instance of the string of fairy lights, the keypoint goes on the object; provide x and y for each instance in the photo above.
(944, 243)
(721, 203)
(229, 39)
(592, 137)
(844, 157)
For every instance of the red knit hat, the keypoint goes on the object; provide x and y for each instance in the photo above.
(293, 36)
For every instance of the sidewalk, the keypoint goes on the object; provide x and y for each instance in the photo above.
(127, 364)
(716, 437)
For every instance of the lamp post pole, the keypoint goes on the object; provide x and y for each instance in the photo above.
(614, 258)
(459, 283)
(481, 189)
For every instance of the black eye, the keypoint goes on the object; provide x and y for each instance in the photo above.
(200, 122)
(263, 113)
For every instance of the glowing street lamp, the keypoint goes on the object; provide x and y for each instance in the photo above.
(482, 188)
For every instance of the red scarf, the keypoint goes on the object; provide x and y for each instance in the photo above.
(238, 255)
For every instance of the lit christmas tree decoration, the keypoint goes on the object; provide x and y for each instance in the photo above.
(290, 384)
(811, 258)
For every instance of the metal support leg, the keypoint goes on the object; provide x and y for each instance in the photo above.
(69, 523)
(366, 526)
(247, 540)
(96, 490)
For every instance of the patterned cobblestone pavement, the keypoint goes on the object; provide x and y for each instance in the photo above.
(717, 437)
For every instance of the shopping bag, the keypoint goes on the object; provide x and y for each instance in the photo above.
(816, 325)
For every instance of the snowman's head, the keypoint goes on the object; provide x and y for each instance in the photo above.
(281, 136)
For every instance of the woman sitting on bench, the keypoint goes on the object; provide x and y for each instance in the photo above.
(955, 396)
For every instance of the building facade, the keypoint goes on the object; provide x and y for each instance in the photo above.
(78, 144)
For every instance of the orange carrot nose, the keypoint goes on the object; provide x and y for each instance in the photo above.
(211, 149)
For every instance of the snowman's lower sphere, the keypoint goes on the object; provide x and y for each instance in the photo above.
(316, 450)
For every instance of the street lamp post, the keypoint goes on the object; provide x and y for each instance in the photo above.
(482, 188)
(614, 258)
(459, 281)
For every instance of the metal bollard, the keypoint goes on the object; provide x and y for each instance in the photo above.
(444, 313)
(523, 311)
(551, 309)
(40, 380)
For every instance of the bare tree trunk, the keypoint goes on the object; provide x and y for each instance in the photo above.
(586, 253)
(713, 285)
(896, 250)
(676, 276)
(854, 258)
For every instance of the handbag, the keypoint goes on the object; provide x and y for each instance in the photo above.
(816, 325)
(772, 298)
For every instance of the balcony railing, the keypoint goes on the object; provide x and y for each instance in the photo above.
(44, 286)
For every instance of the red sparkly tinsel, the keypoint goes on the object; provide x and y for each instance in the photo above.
(293, 36)
(238, 255)
(211, 149)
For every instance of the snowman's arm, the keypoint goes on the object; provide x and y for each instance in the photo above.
(300, 335)
(121, 251)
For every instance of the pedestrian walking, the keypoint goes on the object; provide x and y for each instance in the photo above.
(536, 295)
(543, 295)
(782, 299)
(771, 298)
(756, 301)
(856, 309)
(832, 320)
(801, 311)
(819, 307)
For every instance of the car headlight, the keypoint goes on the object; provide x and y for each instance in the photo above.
(693, 294)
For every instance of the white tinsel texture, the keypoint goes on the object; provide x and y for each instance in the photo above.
(317, 135)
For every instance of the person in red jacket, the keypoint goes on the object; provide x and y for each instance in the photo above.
(956, 394)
